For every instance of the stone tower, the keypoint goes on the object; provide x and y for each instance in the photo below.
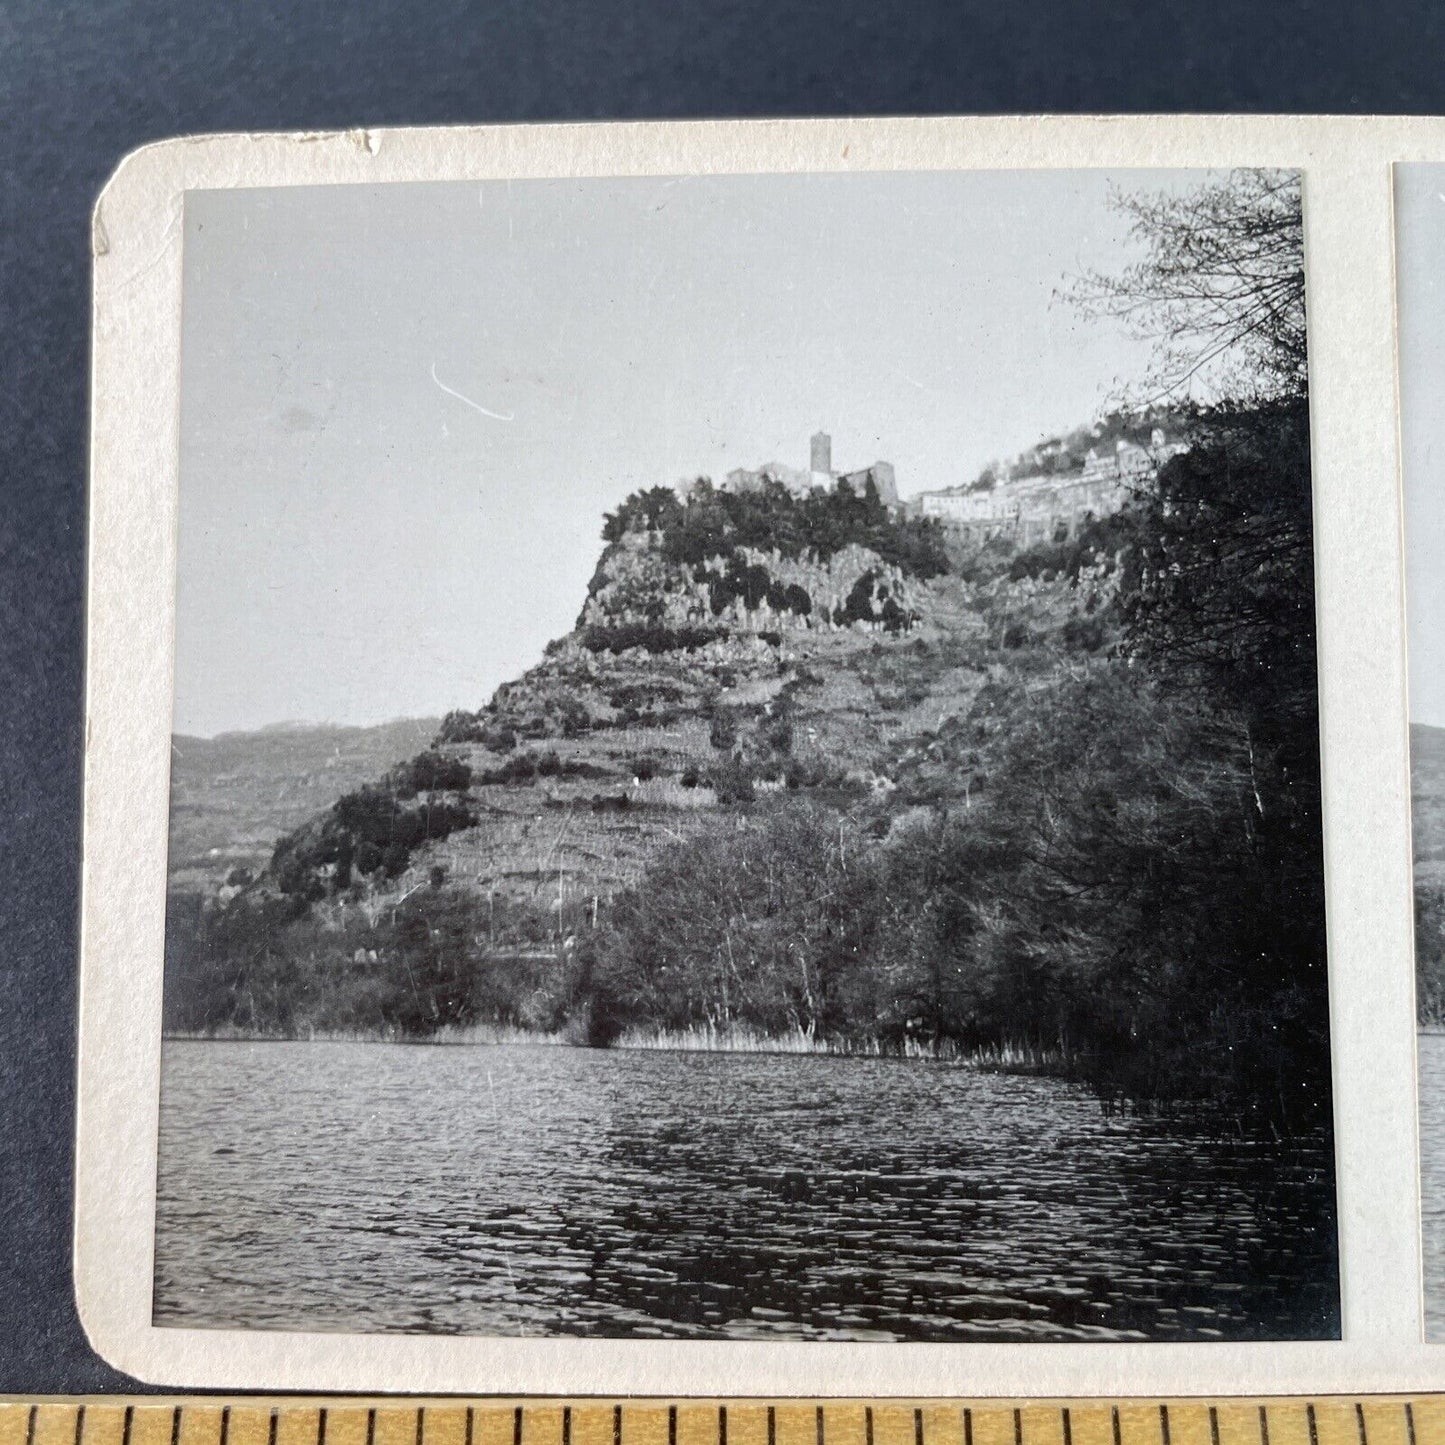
(822, 455)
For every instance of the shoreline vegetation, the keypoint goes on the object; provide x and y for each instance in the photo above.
(709, 1039)
(850, 780)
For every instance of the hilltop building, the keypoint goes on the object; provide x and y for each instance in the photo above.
(819, 475)
(1036, 507)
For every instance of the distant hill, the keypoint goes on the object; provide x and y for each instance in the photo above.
(233, 795)
(1427, 797)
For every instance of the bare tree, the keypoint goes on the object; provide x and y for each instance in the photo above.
(1221, 289)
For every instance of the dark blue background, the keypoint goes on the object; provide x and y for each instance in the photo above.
(81, 84)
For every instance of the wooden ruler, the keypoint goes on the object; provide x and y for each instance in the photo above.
(1374, 1420)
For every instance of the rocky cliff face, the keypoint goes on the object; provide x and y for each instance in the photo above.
(728, 649)
(750, 590)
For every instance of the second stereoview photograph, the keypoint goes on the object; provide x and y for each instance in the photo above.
(1420, 243)
(746, 763)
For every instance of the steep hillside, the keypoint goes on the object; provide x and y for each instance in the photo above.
(706, 675)
(738, 662)
(803, 775)
(233, 795)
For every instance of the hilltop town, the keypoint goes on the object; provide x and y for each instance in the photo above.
(1049, 495)
(819, 475)
(1049, 490)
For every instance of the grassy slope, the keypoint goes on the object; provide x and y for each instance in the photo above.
(871, 696)
(1427, 790)
(232, 796)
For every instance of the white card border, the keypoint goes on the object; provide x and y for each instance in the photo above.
(132, 561)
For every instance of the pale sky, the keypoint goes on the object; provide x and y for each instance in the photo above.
(1420, 229)
(405, 408)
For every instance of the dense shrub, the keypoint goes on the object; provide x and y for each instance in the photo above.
(459, 726)
(652, 693)
(870, 601)
(778, 734)
(1085, 634)
(713, 523)
(722, 731)
(471, 727)
(369, 830)
(430, 772)
(1098, 539)
(573, 717)
(524, 767)
(731, 780)
(653, 637)
(610, 802)
(519, 768)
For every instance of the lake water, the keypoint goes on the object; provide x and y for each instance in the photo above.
(548, 1190)
(1432, 1178)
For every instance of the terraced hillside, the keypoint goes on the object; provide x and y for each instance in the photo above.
(675, 743)
(735, 660)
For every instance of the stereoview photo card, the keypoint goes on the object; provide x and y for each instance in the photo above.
(745, 761)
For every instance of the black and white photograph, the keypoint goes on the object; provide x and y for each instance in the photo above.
(1420, 222)
(746, 763)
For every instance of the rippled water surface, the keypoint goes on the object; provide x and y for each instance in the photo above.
(539, 1190)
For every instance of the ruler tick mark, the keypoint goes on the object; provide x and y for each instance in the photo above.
(421, 1425)
(671, 1426)
(321, 1426)
(1164, 1423)
(275, 1421)
(125, 1429)
(1410, 1421)
(1115, 1416)
(370, 1427)
(470, 1421)
(517, 1426)
(79, 1424)
(967, 1426)
(867, 1425)
(1263, 1426)
(1018, 1426)
(773, 1427)
(722, 1425)
(1213, 1426)
(30, 1424)
(566, 1426)
(225, 1426)
(917, 1426)
(616, 1426)
(820, 1425)
(1360, 1423)
(1314, 1430)
(176, 1425)
(1068, 1426)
